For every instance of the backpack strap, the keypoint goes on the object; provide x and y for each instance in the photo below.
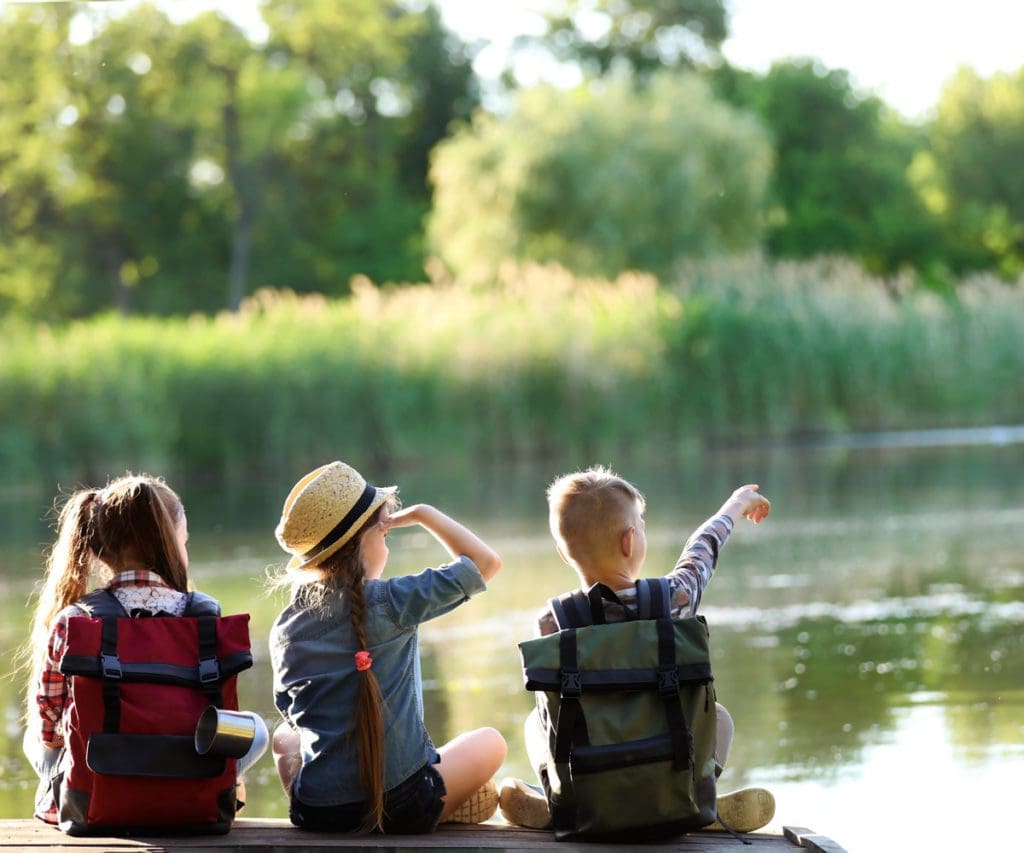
(653, 598)
(571, 727)
(201, 604)
(209, 665)
(206, 609)
(572, 610)
(101, 603)
(668, 687)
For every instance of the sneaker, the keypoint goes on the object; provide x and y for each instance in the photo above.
(744, 810)
(523, 805)
(481, 805)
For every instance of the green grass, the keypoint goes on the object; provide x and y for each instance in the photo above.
(539, 365)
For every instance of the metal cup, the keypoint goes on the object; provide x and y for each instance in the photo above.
(225, 733)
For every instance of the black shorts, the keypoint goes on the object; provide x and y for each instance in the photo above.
(412, 807)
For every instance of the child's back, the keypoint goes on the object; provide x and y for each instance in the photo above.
(353, 751)
(597, 522)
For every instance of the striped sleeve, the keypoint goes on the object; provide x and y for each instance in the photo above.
(696, 564)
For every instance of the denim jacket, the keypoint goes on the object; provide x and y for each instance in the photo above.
(315, 679)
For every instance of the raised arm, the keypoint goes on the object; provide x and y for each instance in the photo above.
(457, 540)
(696, 563)
(747, 502)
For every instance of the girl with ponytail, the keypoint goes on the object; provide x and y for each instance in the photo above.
(352, 751)
(130, 537)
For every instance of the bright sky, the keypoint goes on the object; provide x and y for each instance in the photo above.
(903, 50)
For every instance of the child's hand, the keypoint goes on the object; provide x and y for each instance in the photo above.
(458, 540)
(405, 517)
(747, 501)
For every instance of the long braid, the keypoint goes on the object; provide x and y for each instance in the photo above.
(369, 711)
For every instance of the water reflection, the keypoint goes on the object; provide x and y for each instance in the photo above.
(867, 639)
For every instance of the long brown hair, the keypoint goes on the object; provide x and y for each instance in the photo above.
(129, 524)
(344, 569)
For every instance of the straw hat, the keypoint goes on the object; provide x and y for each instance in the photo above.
(324, 510)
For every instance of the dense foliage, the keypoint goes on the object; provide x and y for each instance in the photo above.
(971, 173)
(541, 364)
(603, 179)
(841, 160)
(163, 166)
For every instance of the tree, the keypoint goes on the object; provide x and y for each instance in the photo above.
(243, 106)
(640, 35)
(387, 79)
(33, 53)
(127, 155)
(972, 178)
(163, 167)
(840, 183)
(601, 179)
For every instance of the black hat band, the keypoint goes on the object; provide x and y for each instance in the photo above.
(342, 527)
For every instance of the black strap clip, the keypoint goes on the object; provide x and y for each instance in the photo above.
(668, 681)
(571, 686)
(111, 667)
(209, 671)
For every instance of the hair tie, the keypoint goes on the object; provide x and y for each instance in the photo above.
(363, 661)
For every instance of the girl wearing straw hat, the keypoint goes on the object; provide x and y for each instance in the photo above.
(352, 751)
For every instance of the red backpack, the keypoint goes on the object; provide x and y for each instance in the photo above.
(137, 689)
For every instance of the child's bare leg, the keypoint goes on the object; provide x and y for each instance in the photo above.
(467, 762)
(723, 738)
(287, 754)
(748, 808)
(536, 741)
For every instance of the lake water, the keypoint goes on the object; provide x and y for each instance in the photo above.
(867, 638)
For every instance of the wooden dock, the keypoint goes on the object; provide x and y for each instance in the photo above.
(269, 834)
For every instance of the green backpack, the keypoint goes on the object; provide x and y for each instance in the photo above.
(629, 710)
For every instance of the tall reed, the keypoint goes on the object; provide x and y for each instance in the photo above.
(540, 364)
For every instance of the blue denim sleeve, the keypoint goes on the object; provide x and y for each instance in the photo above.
(433, 592)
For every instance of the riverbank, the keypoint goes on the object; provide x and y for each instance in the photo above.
(541, 365)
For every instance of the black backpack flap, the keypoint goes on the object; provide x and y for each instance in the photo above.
(160, 756)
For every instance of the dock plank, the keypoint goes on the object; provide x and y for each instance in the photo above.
(270, 834)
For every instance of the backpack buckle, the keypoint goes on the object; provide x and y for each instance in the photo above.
(668, 681)
(209, 670)
(110, 666)
(571, 686)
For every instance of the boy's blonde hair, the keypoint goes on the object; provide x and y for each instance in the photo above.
(589, 511)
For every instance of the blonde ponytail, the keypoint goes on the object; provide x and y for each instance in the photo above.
(130, 524)
(66, 578)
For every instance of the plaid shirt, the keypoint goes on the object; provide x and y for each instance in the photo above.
(135, 590)
(687, 580)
